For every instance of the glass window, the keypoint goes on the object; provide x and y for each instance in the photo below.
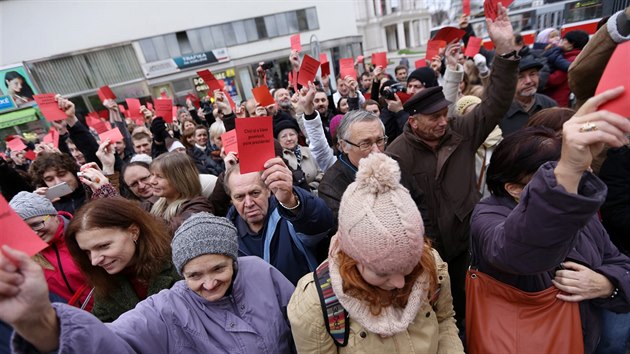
(172, 45)
(250, 30)
(270, 24)
(184, 44)
(239, 31)
(159, 43)
(207, 39)
(302, 21)
(281, 22)
(148, 50)
(311, 16)
(292, 21)
(217, 34)
(261, 28)
(194, 39)
(228, 34)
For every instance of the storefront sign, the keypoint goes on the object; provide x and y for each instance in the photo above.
(227, 76)
(197, 59)
(16, 85)
(6, 103)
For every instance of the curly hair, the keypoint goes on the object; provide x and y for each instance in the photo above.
(377, 298)
(51, 160)
(153, 248)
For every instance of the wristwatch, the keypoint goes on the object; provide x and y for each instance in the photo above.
(508, 55)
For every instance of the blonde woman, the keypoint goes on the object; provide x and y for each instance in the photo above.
(175, 180)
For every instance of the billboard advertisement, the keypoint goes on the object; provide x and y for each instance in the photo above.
(16, 88)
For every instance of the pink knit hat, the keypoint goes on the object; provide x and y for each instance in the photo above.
(334, 123)
(379, 224)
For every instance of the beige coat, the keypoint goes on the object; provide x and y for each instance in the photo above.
(309, 166)
(433, 331)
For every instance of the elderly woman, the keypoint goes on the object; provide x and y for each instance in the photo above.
(382, 272)
(224, 305)
(540, 229)
(298, 157)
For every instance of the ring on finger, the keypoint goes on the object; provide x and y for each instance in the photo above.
(588, 127)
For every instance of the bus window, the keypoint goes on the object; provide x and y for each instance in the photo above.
(583, 10)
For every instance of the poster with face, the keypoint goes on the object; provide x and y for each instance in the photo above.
(15, 83)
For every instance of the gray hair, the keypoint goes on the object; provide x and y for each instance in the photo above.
(343, 130)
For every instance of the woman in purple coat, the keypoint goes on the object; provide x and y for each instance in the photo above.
(224, 305)
(540, 227)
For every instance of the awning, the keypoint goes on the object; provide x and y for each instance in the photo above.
(17, 117)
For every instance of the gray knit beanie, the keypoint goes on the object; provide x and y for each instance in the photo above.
(203, 233)
(29, 205)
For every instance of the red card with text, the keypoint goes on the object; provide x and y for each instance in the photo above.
(474, 44)
(296, 43)
(466, 7)
(433, 48)
(346, 68)
(379, 59)
(113, 135)
(449, 34)
(263, 96)
(210, 80)
(308, 71)
(229, 141)
(421, 63)
(16, 234)
(49, 107)
(613, 77)
(255, 142)
(52, 137)
(106, 93)
(164, 109)
(16, 144)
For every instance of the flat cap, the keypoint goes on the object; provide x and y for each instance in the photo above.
(427, 101)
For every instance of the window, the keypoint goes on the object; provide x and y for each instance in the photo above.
(149, 50)
(302, 20)
(292, 21)
(282, 24)
(228, 34)
(250, 30)
(270, 24)
(239, 32)
(260, 27)
(172, 45)
(217, 33)
(184, 44)
(311, 17)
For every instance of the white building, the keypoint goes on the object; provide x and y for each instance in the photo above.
(142, 47)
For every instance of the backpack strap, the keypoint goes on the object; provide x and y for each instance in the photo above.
(335, 316)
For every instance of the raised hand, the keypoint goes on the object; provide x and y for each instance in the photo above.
(500, 31)
(452, 54)
(279, 179)
(306, 98)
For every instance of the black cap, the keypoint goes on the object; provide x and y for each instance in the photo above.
(529, 62)
(427, 101)
(285, 124)
(578, 38)
(425, 75)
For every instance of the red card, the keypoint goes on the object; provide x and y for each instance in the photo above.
(449, 34)
(308, 71)
(113, 135)
(16, 233)
(293, 80)
(296, 43)
(94, 121)
(421, 63)
(433, 48)
(30, 155)
(106, 93)
(613, 76)
(16, 144)
(323, 58)
(174, 110)
(164, 109)
(325, 69)
(194, 99)
(346, 68)
(229, 141)
(49, 107)
(255, 142)
(490, 7)
(133, 107)
(474, 44)
(52, 137)
(360, 59)
(103, 113)
(263, 96)
(404, 96)
(466, 7)
(379, 59)
(210, 80)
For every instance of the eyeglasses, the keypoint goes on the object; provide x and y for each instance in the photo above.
(142, 180)
(39, 225)
(367, 145)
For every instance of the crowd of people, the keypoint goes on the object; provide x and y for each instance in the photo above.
(358, 235)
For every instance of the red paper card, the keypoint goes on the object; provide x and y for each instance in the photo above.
(16, 234)
(255, 142)
(490, 7)
(52, 137)
(293, 80)
(164, 109)
(106, 93)
(16, 144)
(449, 34)
(194, 99)
(308, 71)
(323, 58)
(379, 59)
(433, 49)
(360, 59)
(296, 43)
(404, 96)
(133, 107)
(113, 135)
(263, 96)
(210, 80)
(325, 69)
(49, 107)
(421, 63)
(30, 155)
(474, 44)
(94, 121)
(103, 113)
(466, 7)
(229, 142)
(613, 77)
(346, 68)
